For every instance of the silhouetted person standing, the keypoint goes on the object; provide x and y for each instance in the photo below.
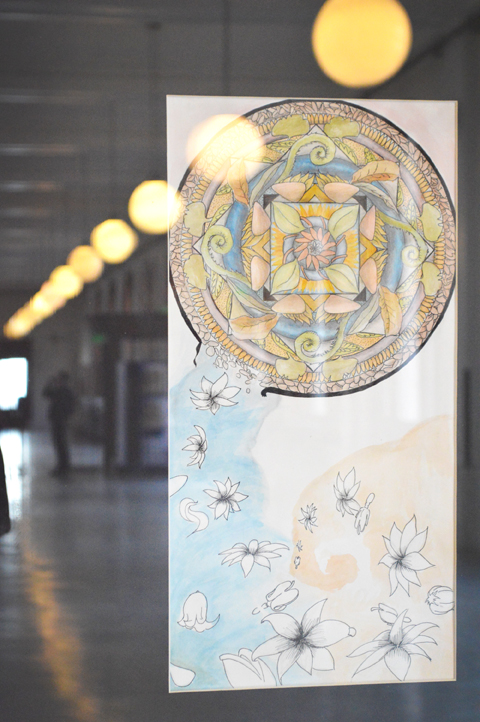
(4, 510)
(62, 402)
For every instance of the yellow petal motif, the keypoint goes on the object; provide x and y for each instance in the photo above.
(290, 369)
(335, 370)
(391, 311)
(195, 271)
(294, 125)
(431, 221)
(254, 329)
(377, 170)
(195, 217)
(342, 127)
(431, 278)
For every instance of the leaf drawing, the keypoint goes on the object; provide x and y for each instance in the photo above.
(176, 483)
(287, 277)
(198, 517)
(238, 181)
(244, 673)
(390, 310)
(343, 219)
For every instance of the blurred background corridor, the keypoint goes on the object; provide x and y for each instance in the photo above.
(83, 572)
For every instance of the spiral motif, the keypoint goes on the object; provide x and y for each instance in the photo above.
(219, 239)
(323, 154)
(411, 256)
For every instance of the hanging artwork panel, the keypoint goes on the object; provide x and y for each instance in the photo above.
(312, 333)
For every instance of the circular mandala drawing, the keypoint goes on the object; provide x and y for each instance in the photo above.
(316, 247)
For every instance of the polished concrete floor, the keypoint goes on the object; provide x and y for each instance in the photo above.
(83, 615)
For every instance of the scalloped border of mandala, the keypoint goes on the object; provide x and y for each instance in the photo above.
(431, 311)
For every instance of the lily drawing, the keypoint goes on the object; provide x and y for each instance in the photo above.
(197, 444)
(214, 395)
(309, 519)
(226, 498)
(254, 553)
(304, 643)
(404, 559)
(396, 646)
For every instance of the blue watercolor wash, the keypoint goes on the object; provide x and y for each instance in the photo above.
(195, 564)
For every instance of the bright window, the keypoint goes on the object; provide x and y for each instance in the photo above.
(13, 382)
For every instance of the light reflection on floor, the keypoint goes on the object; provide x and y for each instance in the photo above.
(83, 616)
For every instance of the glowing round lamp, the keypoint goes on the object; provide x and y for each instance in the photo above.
(66, 282)
(114, 240)
(359, 43)
(204, 132)
(40, 306)
(52, 296)
(20, 324)
(86, 263)
(154, 207)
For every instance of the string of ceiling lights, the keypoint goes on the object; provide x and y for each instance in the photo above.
(357, 43)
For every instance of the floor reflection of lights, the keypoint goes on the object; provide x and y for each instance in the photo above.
(62, 651)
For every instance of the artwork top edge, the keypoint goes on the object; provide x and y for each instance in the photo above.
(315, 249)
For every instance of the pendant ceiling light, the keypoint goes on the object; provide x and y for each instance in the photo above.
(20, 324)
(114, 240)
(66, 282)
(359, 43)
(40, 306)
(153, 206)
(86, 263)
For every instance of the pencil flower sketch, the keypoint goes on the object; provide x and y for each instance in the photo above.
(243, 672)
(395, 646)
(191, 515)
(309, 519)
(280, 597)
(304, 643)
(404, 559)
(441, 600)
(194, 614)
(254, 553)
(388, 614)
(363, 515)
(226, 498)
(197, 444)
(345, 490)
(214, 395)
